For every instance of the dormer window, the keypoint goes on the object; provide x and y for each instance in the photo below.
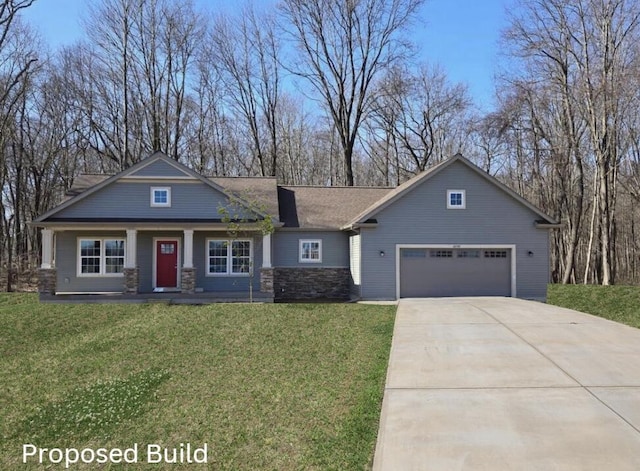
(456, 199)
(160, 197)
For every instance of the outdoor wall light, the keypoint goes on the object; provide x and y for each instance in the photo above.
(530, 253)
(382, 253)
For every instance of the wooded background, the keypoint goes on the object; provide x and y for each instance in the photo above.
(329, 92)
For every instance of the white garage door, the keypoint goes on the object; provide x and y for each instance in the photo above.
(437, 272)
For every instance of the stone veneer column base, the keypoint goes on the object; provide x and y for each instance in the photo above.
(266, 280)
(311, 283)
(188, 280)
(47, 280)
(131, 280)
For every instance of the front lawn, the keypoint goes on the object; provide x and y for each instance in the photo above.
(618, 303)
(282, 386)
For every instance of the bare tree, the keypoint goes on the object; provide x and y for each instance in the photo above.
(423, 111)
(245, 52)
(344, 46)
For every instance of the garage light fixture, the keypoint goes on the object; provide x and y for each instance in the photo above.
(530, 253)
(382, 253)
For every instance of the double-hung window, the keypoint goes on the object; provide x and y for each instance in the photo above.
(160, 196)
(310, 251)
(101, 257)
(228, 257)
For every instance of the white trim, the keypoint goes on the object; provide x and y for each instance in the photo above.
(188, 249)
(312, 241)
(103, 256)
(155, 262)
(511, 247)
(464, 199)
(266, 251)
(130, 254)
(47, 248)
(153, 203)
(146, 179)
(229, 258)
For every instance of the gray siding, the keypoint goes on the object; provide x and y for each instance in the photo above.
(145, 254)
(208, 283)
(132, 200)
(67, 250)
(229, 282)
(66, 260)
(159, 168)
(335, 248)
(421, 217)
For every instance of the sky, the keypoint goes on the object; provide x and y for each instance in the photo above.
(462, 36)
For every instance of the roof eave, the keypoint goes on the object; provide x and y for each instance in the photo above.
(548, 225)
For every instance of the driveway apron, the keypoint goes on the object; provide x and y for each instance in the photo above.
(507, 384)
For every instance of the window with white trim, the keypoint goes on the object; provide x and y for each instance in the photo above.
(456, 199)
(101, 257)
(160, 196)
(228, 257)
(310, 251)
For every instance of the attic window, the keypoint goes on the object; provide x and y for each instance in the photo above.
(160, 197)
(456, 199)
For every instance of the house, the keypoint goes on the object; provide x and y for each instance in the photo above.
(156, 228)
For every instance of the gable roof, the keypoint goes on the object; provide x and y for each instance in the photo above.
(414, 182)
(94, 183)
(316, 207)
(303, 207)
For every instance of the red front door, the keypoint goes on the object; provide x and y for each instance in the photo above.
(166, 264)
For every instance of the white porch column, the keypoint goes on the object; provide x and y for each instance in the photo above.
(47, 248)
(266, 251)
(132, 246)
(188, 249)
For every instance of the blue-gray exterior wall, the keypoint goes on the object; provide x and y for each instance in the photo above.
(132, 200)
(286, 248)
(421, 217)
(226, 282)
(66, 260)
(66, 256)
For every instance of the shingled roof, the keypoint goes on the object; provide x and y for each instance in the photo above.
(316, 207)
(310, 207)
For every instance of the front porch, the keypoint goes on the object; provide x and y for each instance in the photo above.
(159, 298)
(200, 264)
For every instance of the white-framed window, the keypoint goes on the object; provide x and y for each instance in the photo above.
(310, 251)
(456, 199)
(228, 257)
(160, 196)
(101, 256)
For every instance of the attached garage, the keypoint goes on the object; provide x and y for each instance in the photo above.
(440, 271)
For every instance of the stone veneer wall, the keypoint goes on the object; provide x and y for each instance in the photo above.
(266, 280)
(47, 280)
(311, 283)
(131, 280)
(188, 280)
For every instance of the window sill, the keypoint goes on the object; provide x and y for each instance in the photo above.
(226, 275)
(100, 275)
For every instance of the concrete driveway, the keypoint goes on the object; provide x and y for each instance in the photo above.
(506, 384)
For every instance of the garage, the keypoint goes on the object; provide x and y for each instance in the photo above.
(460, 271)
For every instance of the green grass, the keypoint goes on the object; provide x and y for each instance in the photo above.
(617, 303)
(284, 386)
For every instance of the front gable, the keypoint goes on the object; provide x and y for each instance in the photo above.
(459, 164)
(129, 197)
(485, 207)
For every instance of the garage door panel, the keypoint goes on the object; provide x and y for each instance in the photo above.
(428, 272)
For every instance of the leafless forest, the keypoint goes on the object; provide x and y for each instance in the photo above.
(329, 92)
